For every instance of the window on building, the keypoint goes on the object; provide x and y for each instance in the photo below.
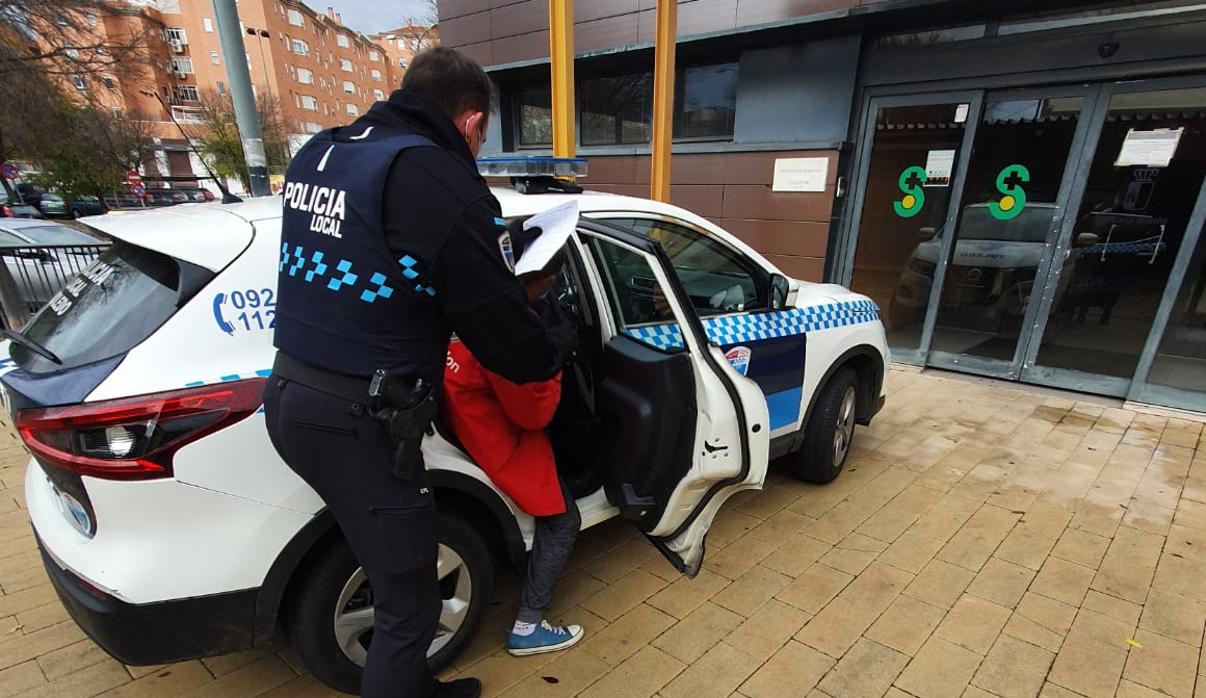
(311, 127)
(214, 58)
(308, 103)
(616, 109)
(305, 76)
(342, 40)
(296, 18)
(221, 87)
(72, 53)
(345, 65)
(188, 93)
(91, 20)
(353, 110)
(535, 117)
(207, 24)
(374, 56)
(376, 75)
(109, 84)
(705, 102)
(299, 47)
(378, 95)
(182, 65)
(78, 81)
(102, 51)
(175, 35)
(349, 87)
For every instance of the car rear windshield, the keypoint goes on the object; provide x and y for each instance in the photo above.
(56, 235)
(113, 305)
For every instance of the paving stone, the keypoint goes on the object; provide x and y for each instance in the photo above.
(697, 633)
(768, 629)
(622, 596)
(567, 675)
(752, 589)
(1081, 547)
(1003, 583)
(1088, 668)
(718, 673)
(1165, 665)
(685, 595)
(73, 657)
(815, 588)
(1063, 581)
(17, 680)
(906, 625)
(940, 670)
(175, 680)
(1174, 616)
(1014, 669)
(642, 674)
(868, 669)
(90, 681)
(940, 584)
(973, 623)
(793, 671)
(631, 631)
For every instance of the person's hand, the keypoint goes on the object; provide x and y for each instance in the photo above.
(562, 329)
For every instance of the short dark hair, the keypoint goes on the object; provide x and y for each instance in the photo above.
(450, 79)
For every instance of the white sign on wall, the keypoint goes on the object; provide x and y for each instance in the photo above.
(800, 174)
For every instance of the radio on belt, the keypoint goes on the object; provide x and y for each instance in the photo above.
(536, 174)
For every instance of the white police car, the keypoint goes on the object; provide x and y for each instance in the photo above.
(171, 529)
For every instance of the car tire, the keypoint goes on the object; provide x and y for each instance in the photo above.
(333, 585)
(830, 430)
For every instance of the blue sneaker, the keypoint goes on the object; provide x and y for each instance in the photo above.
(546, 638)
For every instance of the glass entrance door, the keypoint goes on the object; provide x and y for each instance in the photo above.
(1015, 188)
(1118, 245)
(908, 178)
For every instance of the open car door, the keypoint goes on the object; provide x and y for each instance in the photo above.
(682, 430)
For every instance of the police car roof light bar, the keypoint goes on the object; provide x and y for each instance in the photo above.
(528, 167)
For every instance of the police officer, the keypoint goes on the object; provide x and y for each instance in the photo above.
(390, 242)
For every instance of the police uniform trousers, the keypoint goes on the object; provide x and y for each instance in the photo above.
(346, 456)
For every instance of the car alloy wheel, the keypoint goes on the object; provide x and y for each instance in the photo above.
(843, 432)
(354, 609)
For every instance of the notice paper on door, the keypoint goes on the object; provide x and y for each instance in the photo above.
(1153, 148)
(938, 167)
(556, 225)
(800, 174)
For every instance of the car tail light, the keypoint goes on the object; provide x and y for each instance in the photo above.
(6, 211)
(134, 438)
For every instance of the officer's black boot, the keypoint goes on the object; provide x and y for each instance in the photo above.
(461, 688)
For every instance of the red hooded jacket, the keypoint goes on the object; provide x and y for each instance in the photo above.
(501, 425)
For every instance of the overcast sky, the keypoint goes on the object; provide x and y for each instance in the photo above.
(372, 16)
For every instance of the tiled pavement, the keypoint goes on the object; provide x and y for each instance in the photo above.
(985, 540)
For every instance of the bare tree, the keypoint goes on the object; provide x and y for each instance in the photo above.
(66, 37)
(220, 145)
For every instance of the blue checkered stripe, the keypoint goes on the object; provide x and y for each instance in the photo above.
(311, 266)
(739, 329)
(1108, 248)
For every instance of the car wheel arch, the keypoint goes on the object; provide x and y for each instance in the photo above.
(868, 364)
(454, 493)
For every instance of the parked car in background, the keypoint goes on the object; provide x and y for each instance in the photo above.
(11, 208)
(196, 196)
(82, 206)
(52, 205)
(42, 256)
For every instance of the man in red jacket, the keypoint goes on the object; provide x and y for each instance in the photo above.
(501, 425)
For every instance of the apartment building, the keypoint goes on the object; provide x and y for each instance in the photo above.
(403, 43)
(322, 73)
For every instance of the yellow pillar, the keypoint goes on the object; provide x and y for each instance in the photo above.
(663, 98)
(561, 55)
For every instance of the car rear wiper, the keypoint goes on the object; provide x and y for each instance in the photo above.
(32, 346)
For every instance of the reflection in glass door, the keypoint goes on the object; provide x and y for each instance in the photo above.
(1180, 360)
(913, 159)
(1009, 204)
(1141, 188)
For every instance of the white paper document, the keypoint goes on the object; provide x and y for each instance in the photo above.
(1153, 148)
(556, 225)
(939, 164)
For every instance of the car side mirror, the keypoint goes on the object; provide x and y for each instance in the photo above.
(927, 233)
(783, 292)
(1087, 239)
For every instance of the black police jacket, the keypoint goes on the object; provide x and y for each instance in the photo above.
(423, 242)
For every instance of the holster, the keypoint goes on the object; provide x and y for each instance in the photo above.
(408, 411)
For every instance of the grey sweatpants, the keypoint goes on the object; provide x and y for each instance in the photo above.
(551, 547)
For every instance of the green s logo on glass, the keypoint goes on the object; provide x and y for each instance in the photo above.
(1013, 199)
(914, 196)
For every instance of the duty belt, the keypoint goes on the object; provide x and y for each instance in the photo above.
(340, 385)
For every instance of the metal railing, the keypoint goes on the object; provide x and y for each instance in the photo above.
(31, 275)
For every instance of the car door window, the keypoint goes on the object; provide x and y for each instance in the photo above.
(637, 300)
(717, 278)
